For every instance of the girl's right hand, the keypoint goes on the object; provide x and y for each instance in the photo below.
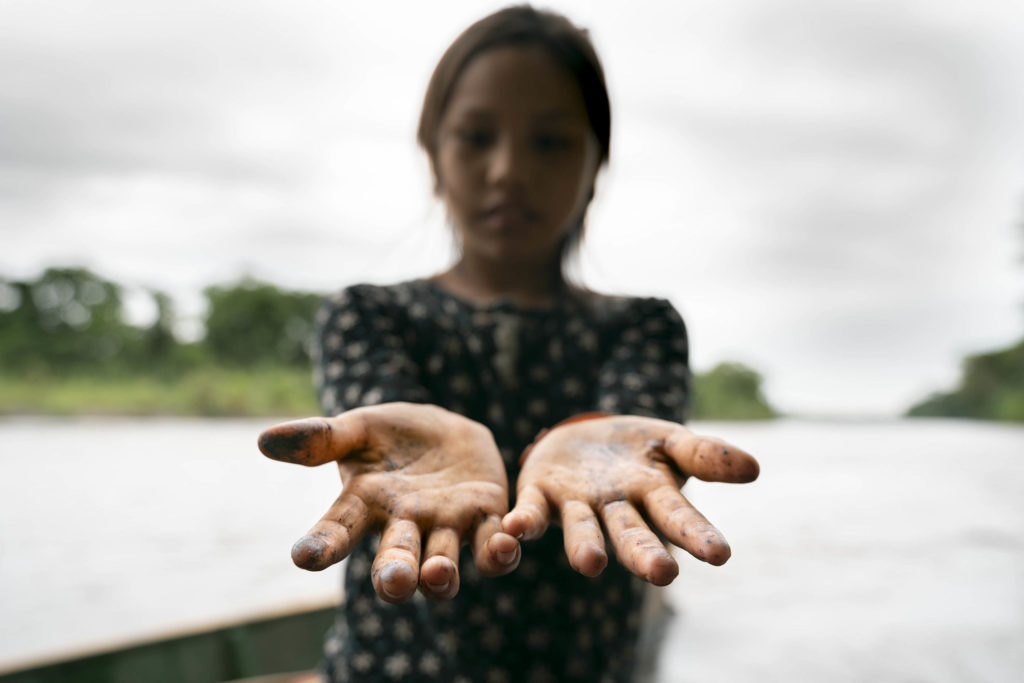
(429, 478)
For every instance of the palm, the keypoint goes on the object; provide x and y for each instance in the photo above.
(425, 464)
(599, 467)
(620, 473)
(425, 476)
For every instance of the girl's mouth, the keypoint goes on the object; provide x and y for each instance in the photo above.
(508, 215)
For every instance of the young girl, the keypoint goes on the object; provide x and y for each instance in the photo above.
(439, 386)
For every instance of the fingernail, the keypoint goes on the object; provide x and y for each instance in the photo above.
(387, 574)
(506, 557)
(439, 587)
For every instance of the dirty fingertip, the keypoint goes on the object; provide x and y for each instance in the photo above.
(512, 524)
(660, 569)
(502, 542)
(588, 559)
(397, 581)
(309, 553)
(504, 551)
(714, 549)
(521, 525)
(290, 442)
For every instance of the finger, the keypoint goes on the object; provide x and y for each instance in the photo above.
(314, 440)
(495, 552)
(709, 458)
(675, 517)
(584, 542)
(530, 517)
(334, 536)
(439, 575)
(636, 546)
(395, 571)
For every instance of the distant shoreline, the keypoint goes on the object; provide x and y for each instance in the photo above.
(267, 391)
(200, 392)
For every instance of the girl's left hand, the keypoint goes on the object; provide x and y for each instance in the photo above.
(612, 468)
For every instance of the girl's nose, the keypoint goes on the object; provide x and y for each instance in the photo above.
(507, 163)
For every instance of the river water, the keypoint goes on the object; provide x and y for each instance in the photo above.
(881, 551)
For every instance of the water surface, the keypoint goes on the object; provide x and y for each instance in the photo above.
(882, 551)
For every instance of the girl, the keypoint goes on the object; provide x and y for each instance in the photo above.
(439, 385)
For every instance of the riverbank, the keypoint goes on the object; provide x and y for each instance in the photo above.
(201, 392)
(727, 392)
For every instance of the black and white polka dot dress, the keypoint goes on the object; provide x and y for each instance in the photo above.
(517, 371)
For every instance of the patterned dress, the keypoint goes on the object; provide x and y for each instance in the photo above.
(517, 371)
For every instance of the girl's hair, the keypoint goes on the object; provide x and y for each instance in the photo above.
(522, 25)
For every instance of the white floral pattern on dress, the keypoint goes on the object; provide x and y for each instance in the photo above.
(516, 371)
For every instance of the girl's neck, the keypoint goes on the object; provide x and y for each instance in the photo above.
(486, 282)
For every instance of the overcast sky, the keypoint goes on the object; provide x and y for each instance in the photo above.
(831, 192)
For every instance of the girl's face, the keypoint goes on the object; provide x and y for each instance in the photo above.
(516, 156)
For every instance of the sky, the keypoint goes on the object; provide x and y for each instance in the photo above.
(830, 192)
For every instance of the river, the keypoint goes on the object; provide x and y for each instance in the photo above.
(882, 551)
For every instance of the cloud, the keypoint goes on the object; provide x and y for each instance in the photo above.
(826, 189)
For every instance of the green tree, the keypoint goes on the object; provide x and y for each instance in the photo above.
(159, 337)
(252, 323)
(730, 391)
(991, 387)
(67, 319)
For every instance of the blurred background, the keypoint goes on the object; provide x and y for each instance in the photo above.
(831, 192)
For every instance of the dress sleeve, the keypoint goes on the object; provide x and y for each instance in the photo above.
(647, 370)
(361, 352)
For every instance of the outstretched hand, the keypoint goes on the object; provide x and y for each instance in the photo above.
(612, 472)
(430, 479)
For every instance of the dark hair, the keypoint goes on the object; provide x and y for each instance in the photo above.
(522, 25)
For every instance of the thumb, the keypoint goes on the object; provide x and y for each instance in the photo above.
(710, 458)
(315, 440)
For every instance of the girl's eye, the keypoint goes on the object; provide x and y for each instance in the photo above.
(550, 142)
(475, 137)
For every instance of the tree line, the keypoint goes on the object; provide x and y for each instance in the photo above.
(991, 387)
(70, 322)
